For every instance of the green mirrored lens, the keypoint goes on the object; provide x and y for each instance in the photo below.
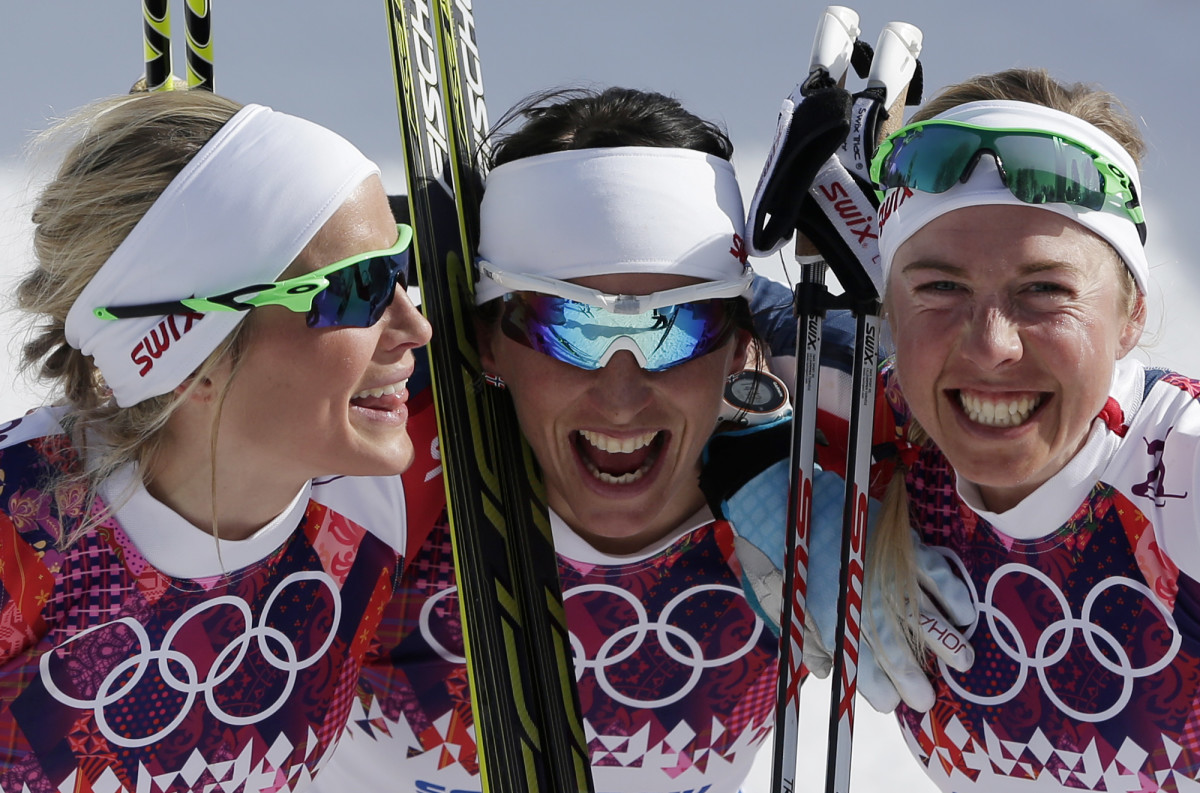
(930, 158)
(1042, 170)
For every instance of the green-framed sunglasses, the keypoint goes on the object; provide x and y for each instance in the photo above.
(353, 292)
(1037, 166)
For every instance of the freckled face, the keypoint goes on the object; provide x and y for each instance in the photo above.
(619, 446)
(1008, 323)
(319, 401)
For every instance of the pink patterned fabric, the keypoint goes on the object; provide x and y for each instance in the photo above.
(1087, 640)
(676, 675)
(116, 677)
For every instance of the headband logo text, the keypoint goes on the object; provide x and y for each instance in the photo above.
(159, 339)
(894, 201)
(739, 248)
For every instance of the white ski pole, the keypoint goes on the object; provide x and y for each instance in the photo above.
(831, 55)
(892, 69)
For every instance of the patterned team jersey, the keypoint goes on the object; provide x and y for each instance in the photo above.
(117, 676)
(1087, 639)
(676, 675)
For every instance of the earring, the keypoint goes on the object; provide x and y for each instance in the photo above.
(494, 380)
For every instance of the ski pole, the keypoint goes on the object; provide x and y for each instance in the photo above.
(831, 54)
(197, 23)
(892, 68)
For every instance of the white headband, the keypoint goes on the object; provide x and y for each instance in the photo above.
(904, 212)
(630, 209)
(237, 214)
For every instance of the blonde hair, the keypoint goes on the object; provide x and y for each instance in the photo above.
(1091, 103)
(892, 572)
(123, 153)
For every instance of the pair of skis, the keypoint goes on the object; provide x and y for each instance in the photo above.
(156, 43)
(842, 228)
(527, 725)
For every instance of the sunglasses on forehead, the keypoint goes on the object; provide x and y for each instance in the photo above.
(353, 292)
(586, 328)
(1037, 167)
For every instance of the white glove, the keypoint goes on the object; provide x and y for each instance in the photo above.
(887, 670)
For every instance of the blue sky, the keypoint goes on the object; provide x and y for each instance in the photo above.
(731, 62)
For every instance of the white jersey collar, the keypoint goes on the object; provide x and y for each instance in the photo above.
(574, 547)
(177, 548)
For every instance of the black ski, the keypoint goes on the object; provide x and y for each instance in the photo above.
(526, 712)
(156, 44)
(197, 23)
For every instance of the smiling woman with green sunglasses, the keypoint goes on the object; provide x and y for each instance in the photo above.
(1054, 470)
(214, 486)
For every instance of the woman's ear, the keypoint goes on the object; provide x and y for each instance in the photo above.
(205, 389)
(1131, 334)
(745, 348)
(195, 389)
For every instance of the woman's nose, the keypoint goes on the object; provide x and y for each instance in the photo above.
(993, 338)
(621, 388)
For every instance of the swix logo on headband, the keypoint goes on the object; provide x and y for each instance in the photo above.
(159, 339)
(739, 249)
(893, 202)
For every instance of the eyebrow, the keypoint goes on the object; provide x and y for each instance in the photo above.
(1030, 268)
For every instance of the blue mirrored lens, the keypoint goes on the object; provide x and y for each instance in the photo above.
(358, 295)
(581, 334)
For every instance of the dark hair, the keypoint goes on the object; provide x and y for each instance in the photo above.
(566, 119)
(582, 118)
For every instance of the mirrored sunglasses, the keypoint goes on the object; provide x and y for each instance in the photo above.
(1038, 167)
(353, 292)
(588, 336)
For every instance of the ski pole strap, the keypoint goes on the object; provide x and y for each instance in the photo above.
(813, 124)
(817, 180)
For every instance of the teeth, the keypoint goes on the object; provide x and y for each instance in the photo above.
(1004, 413)
(607, 443)
(387, 390)
(623, 479)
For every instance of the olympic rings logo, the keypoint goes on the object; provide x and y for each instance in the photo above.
(1096, 638)
(277, 648)
(668, 635)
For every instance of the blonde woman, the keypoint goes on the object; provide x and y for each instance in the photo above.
(199, 533)
(1055, 472)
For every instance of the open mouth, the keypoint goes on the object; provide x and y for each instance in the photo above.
(618, 461)
(999, 412)
(388, 397)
